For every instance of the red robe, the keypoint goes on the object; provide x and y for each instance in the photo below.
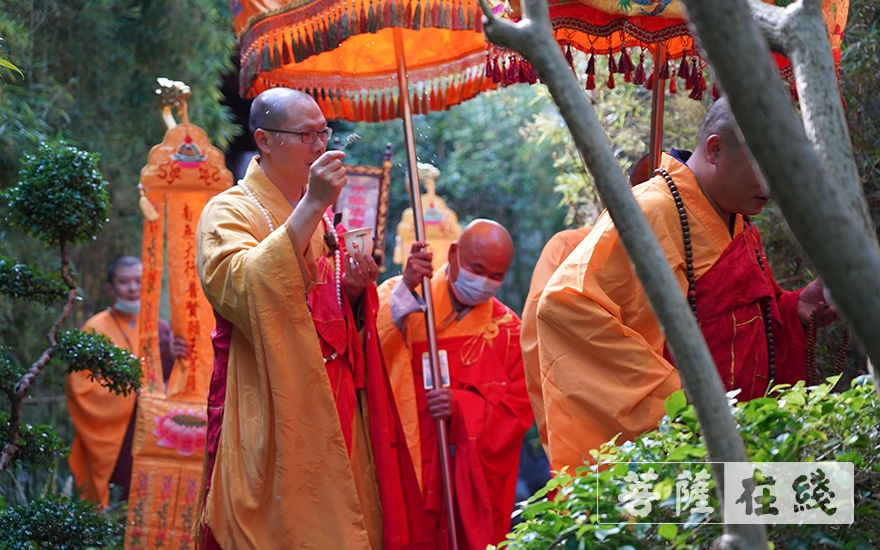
(491, 411)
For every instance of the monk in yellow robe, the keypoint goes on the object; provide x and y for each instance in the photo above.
(554, 252)
(485, 405)
(552, 255)
(604, 364)
(104, 421)
(295, 461)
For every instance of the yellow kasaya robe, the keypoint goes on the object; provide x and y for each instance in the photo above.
(283, 478)
(603, 360)
(100, 417)
(554, 252)
(490, 411)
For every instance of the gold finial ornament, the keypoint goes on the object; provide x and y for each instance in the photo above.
(172, 94)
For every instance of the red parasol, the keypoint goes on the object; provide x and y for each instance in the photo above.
(620, 29)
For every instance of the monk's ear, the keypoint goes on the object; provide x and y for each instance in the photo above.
(714, 149)
(108, 289)
(261, 138)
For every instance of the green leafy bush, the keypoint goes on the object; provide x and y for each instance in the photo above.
(115, 368)
(22, 281)
(58, 523)
(61, 197)
(581, 510)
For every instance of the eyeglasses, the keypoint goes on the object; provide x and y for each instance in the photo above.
(309, 136)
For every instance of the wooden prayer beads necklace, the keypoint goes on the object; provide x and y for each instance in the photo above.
(689, 266)
(330, 230)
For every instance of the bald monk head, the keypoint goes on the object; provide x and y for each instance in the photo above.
(479, 260)
(291, 133)
(723, 166)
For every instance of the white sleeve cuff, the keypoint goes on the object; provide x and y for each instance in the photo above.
(403, 302)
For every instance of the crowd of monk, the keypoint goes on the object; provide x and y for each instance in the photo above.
(322, 415)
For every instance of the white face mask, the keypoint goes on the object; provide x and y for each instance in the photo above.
(472, 289)
(132, 307)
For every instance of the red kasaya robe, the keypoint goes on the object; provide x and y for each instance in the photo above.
(490, 415)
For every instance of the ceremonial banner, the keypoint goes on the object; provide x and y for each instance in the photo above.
(183, 172)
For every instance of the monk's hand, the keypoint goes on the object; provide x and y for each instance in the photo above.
(418, 265)
(358, 272)
(179, 347)
(440, 403)
(327, 177)
(812, 298)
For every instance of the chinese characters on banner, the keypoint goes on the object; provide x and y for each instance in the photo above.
(760, 492)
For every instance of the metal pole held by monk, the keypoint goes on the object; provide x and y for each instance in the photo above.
(416, 203)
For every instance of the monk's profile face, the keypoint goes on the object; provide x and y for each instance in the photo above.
(126, 283)
(736, 186)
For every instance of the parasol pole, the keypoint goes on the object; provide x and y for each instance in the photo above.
(416, 203)
(657, 90)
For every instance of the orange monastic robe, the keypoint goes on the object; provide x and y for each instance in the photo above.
(491, 410)
(283, 478)
(604, 364)
(99, 416)
(554, 252)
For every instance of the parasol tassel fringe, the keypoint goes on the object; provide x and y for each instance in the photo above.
(625, 64)
(612, 65)
(672, 88)
(610, 82)
(363, 24)
(695, 77)
(458, 22)
(417, 16)
(591, 82)
(353, 23)
(265, 58)
(428, 16)
(649, 81)
(372, 23)
(664, 69)
(639, 74)
(568, 55)
(683, 72)
(286, 56)
(276, 52)
(470, 17)
(478, 24)
(407, 15)
(699, 86)
(333, 32)
(387, 17)
(591, 63)
(344, 25)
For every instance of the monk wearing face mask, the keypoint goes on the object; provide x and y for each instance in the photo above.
(484, 403)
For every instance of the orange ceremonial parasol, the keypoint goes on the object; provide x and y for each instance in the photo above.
(617, 30)
(373, 60)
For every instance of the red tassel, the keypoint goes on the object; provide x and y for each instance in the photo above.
(716, 93)
(683, 72)
(286, 57)
(276, 52)
(639, 74)
(353, 23)
(363, 22)
(610, 82)
(649, 81)
(407, 16)
(591, 82)
(417, 17)
(489, 73)
(478, 23)
(429, 19)
(469, 23)
(376, 108)
(497, 74)
(458, 22)
(699, 86)
(372, 21)
(664, 69)
(568, 55)
(591, 63)
(672, 88)
(695, 73)
(387, 18)
(612, 65)
(625, 64)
